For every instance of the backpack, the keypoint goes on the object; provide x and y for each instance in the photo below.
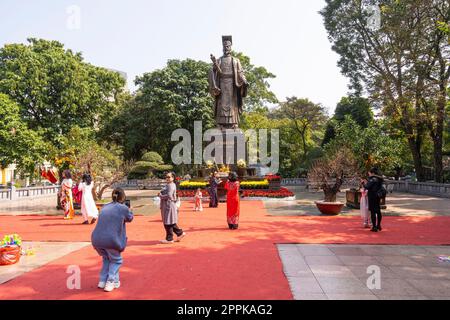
(382, 192)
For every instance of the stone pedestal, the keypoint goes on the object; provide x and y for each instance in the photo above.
(230, 147)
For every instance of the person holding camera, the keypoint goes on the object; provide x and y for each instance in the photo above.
(169, 210)
(109, 239)
(374, 187)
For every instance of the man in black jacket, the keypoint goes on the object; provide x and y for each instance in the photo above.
(373, 185)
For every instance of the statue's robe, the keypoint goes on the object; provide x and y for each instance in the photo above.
(233, 87)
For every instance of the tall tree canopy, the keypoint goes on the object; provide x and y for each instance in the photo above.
(402, 61)
(54, 88)
(358, 108)
(18, 144)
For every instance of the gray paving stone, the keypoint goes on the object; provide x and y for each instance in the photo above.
(378, 250)
(361, 272)
(400, 297)
(343, 285)
(430, 261)
(314, 250)
(304, 285)
(332, 271)
(340, 271)
(323, 260)
(345, 296)
(420, 272)
(434, 288)
(359, 260)
(439, 250)
(399, 287)
(347, 251)
(397, 261)
(310, 296)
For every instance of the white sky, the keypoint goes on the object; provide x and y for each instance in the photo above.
(136, 36)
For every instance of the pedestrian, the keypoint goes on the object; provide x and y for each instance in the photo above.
(373, 186)
(67, 196)
(214, 182)
(169, 210)
(232, 186)
(88, 207)
(198, 200)
(364, 205)
(109, 239)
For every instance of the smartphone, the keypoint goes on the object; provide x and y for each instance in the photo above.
(127, 203)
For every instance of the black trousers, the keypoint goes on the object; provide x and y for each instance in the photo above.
(375, 210)
(170, 229)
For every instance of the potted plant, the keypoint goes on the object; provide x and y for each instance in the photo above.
(329, 174)
(241, 168)
(274, 181)
(10, 249)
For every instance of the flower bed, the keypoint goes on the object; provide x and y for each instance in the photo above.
(191, 193)
(193, 185)
(254, 193)
(273, 177)
(255, 184)
(281, 193)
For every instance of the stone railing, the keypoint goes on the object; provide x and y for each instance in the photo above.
(148, 184)
(294, 182)
(424, 188)
(30, 192)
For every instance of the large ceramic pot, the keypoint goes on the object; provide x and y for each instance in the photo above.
(329, 208)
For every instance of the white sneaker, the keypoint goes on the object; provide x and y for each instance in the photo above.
(167, 241)
(109, 286)
(101, 285)
(181, 237)
(117, 285)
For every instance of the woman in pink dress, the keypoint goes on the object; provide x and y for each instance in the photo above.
(232, 186)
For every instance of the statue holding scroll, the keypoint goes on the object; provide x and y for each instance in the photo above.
(228, 86)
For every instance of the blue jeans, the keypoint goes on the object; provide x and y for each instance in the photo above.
(112, 261)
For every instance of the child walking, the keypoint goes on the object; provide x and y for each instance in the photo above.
(109, 239)
(198, 200)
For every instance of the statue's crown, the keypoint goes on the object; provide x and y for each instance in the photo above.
(227, 38)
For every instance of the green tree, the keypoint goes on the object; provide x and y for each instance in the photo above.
(150, 165)
(259, 94)
(358, 108)
(18, 144)
(403, 63)
(55, 89)
(306, 118)
(372, 146)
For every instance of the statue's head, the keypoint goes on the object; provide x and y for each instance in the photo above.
(227, 43)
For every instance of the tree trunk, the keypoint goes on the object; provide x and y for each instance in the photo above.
(438, 135)
(58, 197)
(414, 146)
(330, 195)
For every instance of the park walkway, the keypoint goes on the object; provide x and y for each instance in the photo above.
(212, 262)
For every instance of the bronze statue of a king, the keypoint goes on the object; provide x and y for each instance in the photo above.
(227, 84)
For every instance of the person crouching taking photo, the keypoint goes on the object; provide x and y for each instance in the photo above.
(109, 239)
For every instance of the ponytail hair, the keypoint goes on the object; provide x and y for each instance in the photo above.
(118, 195)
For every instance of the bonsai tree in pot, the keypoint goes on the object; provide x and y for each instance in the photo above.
(329, 174)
